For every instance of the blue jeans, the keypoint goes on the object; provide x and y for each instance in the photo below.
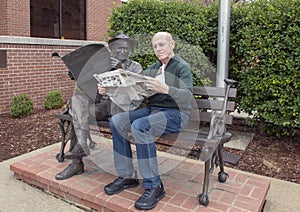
(144, 124)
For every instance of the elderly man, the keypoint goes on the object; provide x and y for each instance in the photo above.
(170, 79)
(83, 109)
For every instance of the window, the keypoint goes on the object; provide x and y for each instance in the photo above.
(45, 14)
(58, 19)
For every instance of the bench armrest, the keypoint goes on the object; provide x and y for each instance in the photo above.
(217, 123)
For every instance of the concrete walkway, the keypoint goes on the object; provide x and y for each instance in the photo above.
(16, 196)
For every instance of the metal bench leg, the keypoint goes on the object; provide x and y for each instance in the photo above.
(64, 140)
(222, 175)
(203, 197)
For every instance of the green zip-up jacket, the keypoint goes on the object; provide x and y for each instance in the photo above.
(178, 77)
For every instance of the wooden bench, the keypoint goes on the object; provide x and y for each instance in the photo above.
(211, 108)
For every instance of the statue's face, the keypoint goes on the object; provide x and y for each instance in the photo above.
(121, 49)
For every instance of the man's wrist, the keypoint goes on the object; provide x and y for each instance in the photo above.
(167, 89)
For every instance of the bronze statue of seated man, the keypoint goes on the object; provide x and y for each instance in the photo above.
(83, 109)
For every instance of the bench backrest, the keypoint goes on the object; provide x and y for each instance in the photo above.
(209, 99)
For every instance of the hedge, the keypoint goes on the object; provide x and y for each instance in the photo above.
(264, 50)
(140, 19)
(266, 62)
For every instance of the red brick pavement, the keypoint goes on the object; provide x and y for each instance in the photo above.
(240, 193)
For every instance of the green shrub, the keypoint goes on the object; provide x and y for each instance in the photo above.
(21, 105)
(53, 100)
(266, 63)
(264, 50)
(140, 19)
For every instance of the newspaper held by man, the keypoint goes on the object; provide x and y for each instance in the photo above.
(125, 89)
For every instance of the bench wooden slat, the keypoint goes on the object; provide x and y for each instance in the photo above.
(214, 104)
(193, 137)
(103, 124)
(65, 117)
(206, 116)
(213, 91)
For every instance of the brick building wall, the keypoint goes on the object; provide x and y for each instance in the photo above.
(3, 19)
(31, 70)
(97, 16)
(29, 66)
(15, 17)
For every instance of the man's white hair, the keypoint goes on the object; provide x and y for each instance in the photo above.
(167, 35)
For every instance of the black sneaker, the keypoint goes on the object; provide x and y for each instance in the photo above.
(150, 198)
(120, 184)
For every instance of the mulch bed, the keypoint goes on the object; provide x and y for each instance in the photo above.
(265, 155)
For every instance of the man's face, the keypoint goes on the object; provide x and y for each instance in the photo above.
(162, 47)
(121, 49)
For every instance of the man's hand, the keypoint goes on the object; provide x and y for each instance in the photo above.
(102, 90)
(156, 86)
(115, 63)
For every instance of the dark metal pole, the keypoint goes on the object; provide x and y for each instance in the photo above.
(60, 19)
(223, 42)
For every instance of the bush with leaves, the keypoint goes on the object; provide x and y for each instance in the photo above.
(53, 100)
(140, 19)
(264, 49)
(21, 105)
(266, 63)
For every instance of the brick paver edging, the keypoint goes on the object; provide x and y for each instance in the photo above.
(241, 192)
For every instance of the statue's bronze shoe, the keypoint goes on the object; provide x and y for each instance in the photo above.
(70, 171)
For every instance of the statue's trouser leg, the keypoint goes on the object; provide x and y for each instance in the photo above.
(81, 107)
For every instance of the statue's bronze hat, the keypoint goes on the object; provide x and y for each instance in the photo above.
(122, 36)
